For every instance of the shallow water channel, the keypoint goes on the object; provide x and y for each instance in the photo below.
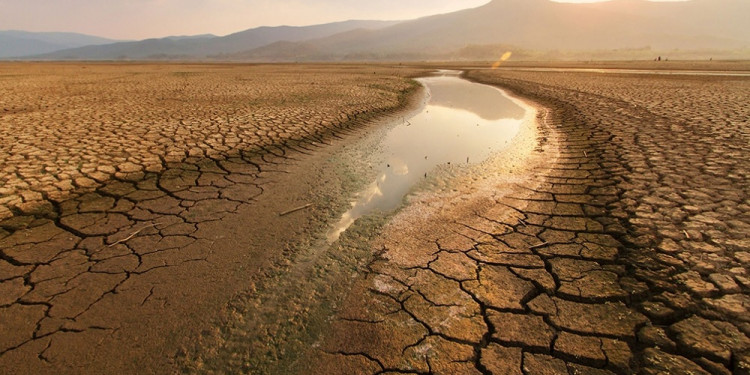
(461, 123)
(282, 320)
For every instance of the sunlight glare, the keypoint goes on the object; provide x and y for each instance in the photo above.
(503, 58)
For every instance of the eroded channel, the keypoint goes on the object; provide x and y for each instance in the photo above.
(363, 180)
(462, 123)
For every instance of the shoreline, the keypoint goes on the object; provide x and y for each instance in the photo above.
(587, 266)
(436, 219)
(261, 326)
(170, 248)
(355, 251)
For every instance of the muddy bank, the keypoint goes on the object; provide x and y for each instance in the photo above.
(462, 124)
(619, 249)
(410, 311)
(128, 272)
(278, 327)
(277, 317)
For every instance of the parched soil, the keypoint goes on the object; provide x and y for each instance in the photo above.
(68, 127)
(620, 245)
(137, 200)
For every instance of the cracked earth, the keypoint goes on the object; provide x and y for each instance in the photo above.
(619, 246)
(129, 206)
(610, 238)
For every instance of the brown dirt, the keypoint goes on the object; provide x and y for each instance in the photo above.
(618, 246)
(612, 238)
(70, 127)
(138, 200)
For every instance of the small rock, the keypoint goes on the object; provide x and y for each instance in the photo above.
(704, 247)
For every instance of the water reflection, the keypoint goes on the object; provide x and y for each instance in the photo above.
(486, 102)
(463, 122)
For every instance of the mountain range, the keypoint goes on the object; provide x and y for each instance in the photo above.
(209, 46)
(23, 43)
(529, 28)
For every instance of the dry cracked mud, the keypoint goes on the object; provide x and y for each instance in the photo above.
(620, 245)
(610, 238)
(129, 197)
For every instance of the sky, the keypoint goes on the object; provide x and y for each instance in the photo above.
(140, 19)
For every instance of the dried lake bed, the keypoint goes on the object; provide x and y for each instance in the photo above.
(142, 222)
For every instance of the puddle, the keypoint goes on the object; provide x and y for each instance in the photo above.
(462, 123)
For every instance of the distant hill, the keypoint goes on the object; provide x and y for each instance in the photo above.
(14, 43)
(531, 29)
(203, 47)
(535, 28)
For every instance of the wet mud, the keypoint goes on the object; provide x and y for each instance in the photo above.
(462, 123)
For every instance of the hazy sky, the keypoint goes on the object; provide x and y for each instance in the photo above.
(139, 19)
